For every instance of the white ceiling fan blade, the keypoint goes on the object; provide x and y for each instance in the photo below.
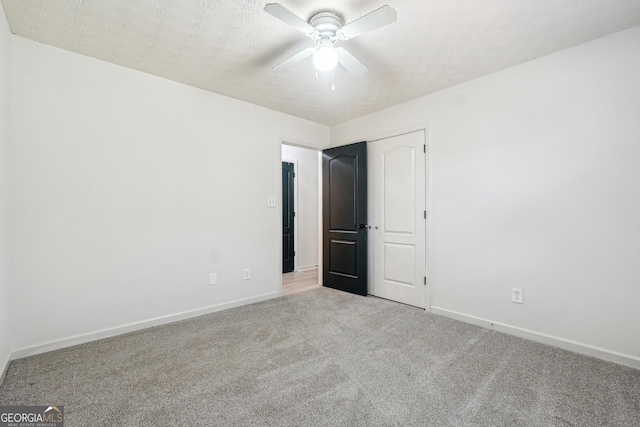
(372, 21)
(295, 59)
(350, 62)
(288, 17)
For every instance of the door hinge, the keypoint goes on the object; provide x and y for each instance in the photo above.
(424, 148)
(294, 214)
(294, 174)
(425, 214)
(425, 280)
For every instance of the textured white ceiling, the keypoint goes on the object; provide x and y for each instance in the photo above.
(229, 46)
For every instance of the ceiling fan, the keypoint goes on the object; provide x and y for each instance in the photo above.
(325, 29)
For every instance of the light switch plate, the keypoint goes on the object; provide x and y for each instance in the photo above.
(213, 279)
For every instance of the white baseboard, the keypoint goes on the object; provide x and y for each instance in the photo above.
(307, 267)
(577, 347)
(135, 326)
(4, 367)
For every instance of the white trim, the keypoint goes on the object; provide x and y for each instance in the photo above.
(575, 346)
(371, 220)
(429, 208)
(307, 268)
(396, 132)
(135, 326)
(301, 144)
(320, 226)
(279, 217)
(5, 367)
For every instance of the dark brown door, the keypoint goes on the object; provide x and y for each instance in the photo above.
(288, 214)
(344, 205)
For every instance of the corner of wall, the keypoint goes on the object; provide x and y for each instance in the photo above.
(5, 211)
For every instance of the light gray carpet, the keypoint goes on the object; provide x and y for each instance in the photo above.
(324, 357)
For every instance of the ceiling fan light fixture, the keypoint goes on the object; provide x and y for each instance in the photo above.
(325, 28)
(325, 57)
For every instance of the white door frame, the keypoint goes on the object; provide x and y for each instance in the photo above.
(301, 144)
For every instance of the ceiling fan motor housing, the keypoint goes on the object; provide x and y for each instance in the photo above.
(326, 23)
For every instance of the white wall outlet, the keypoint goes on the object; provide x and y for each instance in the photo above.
(213, 279)
(247, 274)
(271, 202)
(516, 295)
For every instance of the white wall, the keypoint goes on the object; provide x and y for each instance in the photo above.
(307, 205)
(5, 235)
(535, 183)
(129, 190)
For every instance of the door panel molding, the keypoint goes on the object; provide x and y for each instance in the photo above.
(344, 182)
(398, 200)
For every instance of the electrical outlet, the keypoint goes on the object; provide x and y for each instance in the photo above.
(213, 279)
(247, 274)
(516, 295)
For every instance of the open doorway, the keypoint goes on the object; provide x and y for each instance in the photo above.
(305, 220)
(397, 160)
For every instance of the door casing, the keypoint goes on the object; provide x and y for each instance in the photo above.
(318, 149)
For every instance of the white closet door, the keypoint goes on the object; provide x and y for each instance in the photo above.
(399, 224)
